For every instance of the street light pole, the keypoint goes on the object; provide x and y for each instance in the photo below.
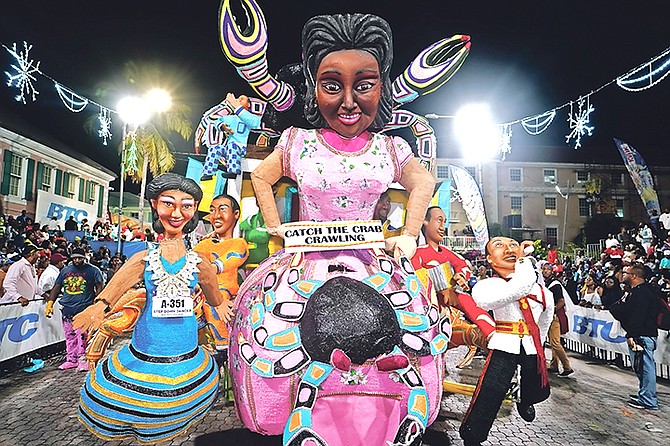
(565, 213)
(121, 181)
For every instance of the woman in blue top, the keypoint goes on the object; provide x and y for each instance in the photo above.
(162, 382)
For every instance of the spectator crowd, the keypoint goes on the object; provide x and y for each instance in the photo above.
(23, 238)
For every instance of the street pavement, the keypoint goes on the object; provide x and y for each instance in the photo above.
(588, 408)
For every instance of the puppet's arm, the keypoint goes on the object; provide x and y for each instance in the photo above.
(262, 178)
(495, 292)
(124, 279)
(420, 184)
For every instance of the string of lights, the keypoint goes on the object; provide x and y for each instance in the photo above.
(642, 77)
(24, 77)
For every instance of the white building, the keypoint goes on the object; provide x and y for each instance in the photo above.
(47, 178)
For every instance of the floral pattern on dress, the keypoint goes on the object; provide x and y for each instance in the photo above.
(331, 181)
(342, 201)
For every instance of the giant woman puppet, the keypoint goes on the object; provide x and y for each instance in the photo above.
(339, 347)
(162, 382)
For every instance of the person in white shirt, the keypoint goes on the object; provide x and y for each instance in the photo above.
(21, 280)
(664, 218)
(48, 277)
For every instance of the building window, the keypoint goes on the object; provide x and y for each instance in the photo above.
(442, 172)
(71, 185)
(45, 180)
(616, 179)
(15, 175)
(91, 192)
(516, 204)
(550, 206)
(515, 174)
(549, 175)
(551, 235)
(472, 170)
(618, 206)
(582, 177)
(584, 207)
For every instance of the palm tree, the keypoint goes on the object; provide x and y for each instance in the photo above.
(149, 146)
(153, 147)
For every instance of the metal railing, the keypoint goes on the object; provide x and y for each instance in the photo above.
(610, 357)
(593, 250)
(460, 243)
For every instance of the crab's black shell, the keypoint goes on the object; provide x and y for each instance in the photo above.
(347, 314)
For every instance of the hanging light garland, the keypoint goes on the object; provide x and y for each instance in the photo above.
(642, 77)
(646, 75)
(24, 77)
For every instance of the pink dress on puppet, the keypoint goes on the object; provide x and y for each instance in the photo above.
(337, 185)
(287, 375)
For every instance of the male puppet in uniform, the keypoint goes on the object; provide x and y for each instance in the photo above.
(434, 255)
(523, 310)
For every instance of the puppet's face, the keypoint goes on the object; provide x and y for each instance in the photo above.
(348, 90)
(382, 208)
(502, 254)
(434, 227)
(244, 102)
(222, 217)
(175, 208)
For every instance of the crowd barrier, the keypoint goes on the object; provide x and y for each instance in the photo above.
(26, 329)
(596, 333)
(591, 332)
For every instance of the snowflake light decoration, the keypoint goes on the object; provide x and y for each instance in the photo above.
(505, 140)
(131, 157)
(579, 123)
(105, 125)
(24, 76)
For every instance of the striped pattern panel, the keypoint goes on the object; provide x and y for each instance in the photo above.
(150, 398)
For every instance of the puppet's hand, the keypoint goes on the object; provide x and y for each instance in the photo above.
(401, 246)
(460, 280)
(225, 310)
(279, 231)
(526, 271)
(91, 318)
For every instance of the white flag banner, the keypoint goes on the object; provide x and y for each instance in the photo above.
(599, 329)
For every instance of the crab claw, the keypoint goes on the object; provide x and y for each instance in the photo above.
(340, 360)
(246, 50)
(431, 68)
(243, 47)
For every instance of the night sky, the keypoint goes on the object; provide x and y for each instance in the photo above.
(526, 57)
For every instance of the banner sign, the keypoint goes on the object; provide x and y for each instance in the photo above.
(25, 329)
(640, 175)
(599, 329)
(50, 205)
(442, 198)
(473, 205)
(332, 235)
